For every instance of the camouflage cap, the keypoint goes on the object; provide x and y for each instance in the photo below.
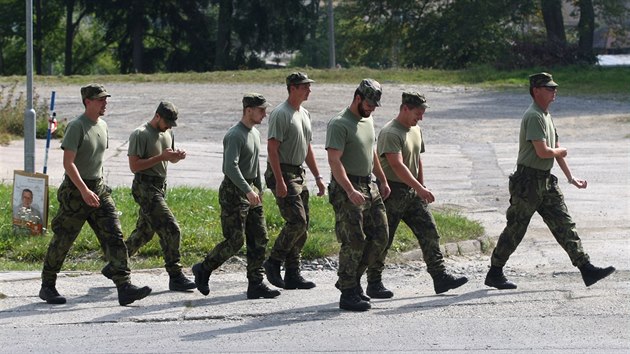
(297, 78)
(414, 98)
(371, 89)
(168, 112)
(541, 80)
(255, 100)
(93, 91)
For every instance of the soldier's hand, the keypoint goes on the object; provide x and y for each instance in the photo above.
(384, 189)
(580, 183)
(562, 151)
(425, 195)
(356, 197)
(281, 189)
(320, 186)
(253, 198)
(91, 199)
(181, 154)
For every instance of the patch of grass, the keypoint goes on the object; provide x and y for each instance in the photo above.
(198, 213)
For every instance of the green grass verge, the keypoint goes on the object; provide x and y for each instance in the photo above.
(198, 213)
(572, 79)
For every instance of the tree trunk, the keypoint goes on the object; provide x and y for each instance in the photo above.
(554, 23)
(224, 33)
(586, 30)
(137, 45)
(67, 65)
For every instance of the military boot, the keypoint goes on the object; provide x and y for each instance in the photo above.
(49, 293)
(272, 270)
(496, 279)
(256, 290)
(592, 274)
(202, 277)
(443, 282)
(358, 289)
(179, 282)
(294, 280)
(377, 290)
(350, 301)
(128, 293)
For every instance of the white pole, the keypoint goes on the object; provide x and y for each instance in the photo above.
(29, 113)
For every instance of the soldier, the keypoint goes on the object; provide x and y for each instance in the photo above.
(534, 189)
(399, 147)
(151, 148)
(360, 218)
(240, 196)
(83, 196)
(288, 147)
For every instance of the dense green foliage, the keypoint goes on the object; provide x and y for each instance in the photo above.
(147, 36)
(198, 214)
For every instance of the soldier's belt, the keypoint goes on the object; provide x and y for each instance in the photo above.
(140, 177)
(90, 183)
(249, 181)
(398, 185)
(529, 171)
(291, 168)
(360, 179)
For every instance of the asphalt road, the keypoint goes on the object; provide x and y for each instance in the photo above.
(471, 138)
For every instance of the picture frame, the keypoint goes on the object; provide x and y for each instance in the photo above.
(29, 203)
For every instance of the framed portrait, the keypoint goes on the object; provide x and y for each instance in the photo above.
(30, 203)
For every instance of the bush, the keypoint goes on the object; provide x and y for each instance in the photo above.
(12, 108)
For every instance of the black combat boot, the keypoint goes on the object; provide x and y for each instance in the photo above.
(272, 270)
(258, 289)
(108, 271)
(592, 274)
(128, 293)
(358, 289)
(179, 282)
(496, 279)
(202, 277)
(49, 293)
(376, 290)
(350, 301)
(294, 280)
(443, 282)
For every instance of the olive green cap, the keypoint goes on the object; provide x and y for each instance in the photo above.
(168, 112)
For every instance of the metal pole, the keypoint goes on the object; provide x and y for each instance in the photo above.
(332, 61)
(29, 113)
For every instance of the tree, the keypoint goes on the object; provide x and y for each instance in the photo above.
(224, 35)
(586, 31)
(426, 33)
(554, 22)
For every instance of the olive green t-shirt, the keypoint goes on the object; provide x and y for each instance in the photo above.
(293, 130)
(145, 142)
(395, 138)
(354, 136)
(536, 125)
(241, 146)
(88, 139)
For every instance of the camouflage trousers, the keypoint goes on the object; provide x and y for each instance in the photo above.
(67, 224)
(154, 216)
(294, 211)
(537, 191)
(404, 205)
(361, 230)
(241, 223)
